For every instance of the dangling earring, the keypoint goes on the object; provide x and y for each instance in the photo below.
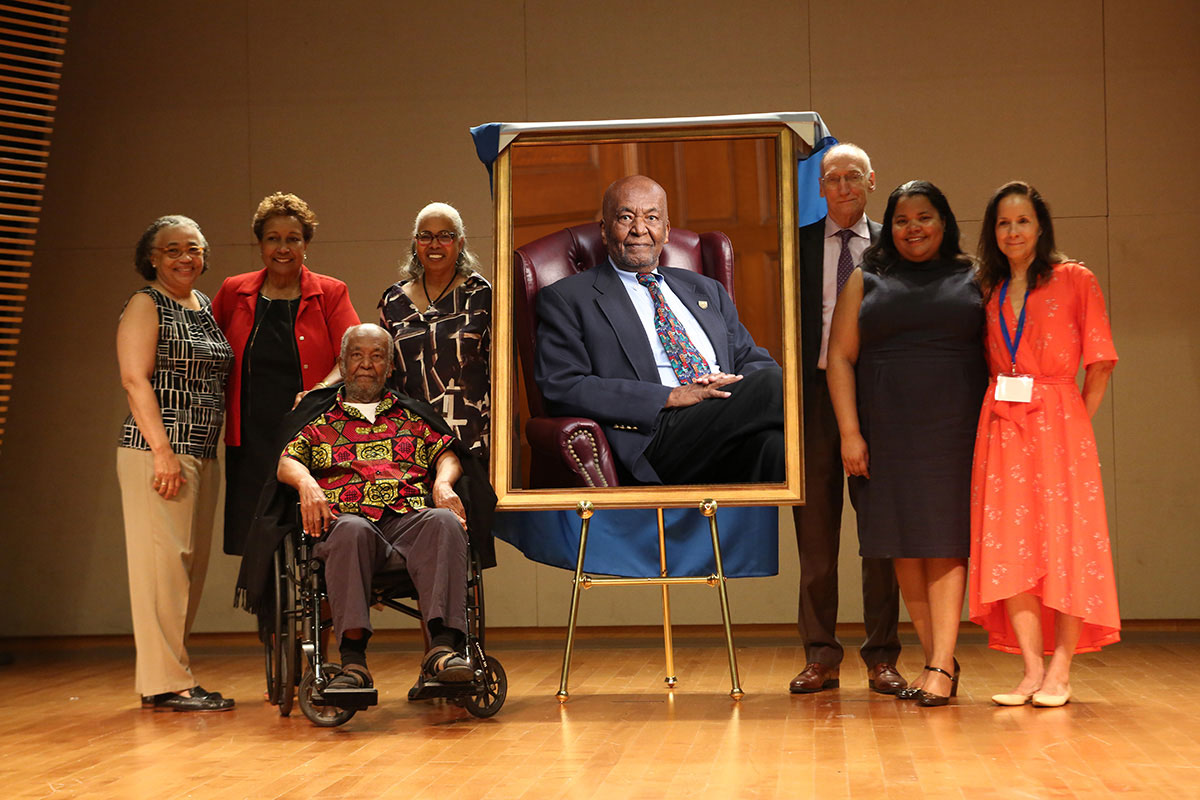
(458, 262)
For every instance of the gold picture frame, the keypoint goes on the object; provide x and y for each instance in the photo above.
(506, 414)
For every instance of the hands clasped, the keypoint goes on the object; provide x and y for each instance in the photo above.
(704, 387)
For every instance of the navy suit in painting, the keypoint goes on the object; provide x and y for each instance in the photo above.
(594, 360)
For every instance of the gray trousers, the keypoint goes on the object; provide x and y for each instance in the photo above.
(430, 545)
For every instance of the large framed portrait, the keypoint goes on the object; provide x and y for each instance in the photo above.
(736, 175)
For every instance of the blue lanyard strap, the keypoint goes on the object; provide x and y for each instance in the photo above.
(1009, 342)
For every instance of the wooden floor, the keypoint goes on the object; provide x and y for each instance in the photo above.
(75, 729)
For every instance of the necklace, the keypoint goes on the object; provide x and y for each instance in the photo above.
(431, 309)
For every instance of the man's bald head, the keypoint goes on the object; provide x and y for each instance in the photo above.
(635, 225)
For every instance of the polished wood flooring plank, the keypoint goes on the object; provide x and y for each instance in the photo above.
(75, 729)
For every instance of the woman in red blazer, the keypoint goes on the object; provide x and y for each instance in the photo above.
(285, 324)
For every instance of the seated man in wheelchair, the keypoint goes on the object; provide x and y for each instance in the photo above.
(366, 470)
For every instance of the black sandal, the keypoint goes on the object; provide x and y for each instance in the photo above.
(444, 665)
(352, 676)
(195, 699)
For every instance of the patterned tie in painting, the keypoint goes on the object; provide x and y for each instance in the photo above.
(685, 359)
(845, 262)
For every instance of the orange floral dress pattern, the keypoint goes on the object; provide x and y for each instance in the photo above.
(1038, 521)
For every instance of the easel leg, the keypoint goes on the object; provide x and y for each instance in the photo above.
(709, 509)
(666, 600)
(585, 511)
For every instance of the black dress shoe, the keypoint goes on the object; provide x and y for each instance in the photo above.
(195, 699)
(814, 678)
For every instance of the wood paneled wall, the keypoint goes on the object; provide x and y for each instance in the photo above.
(359, 109)
(32, 36)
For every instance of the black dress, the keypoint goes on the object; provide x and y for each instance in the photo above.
(270, 381)
(921, 375)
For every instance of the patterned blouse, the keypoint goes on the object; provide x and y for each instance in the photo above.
(365, 468)
(191, 366)
(443, 356)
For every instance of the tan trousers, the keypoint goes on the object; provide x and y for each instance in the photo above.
(167, 545)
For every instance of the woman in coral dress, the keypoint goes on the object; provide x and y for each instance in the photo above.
(1041, 575)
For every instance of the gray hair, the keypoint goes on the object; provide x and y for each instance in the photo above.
(468, 262)
(141, 252)
(365, 327)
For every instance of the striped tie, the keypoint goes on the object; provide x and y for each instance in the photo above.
(845, 262)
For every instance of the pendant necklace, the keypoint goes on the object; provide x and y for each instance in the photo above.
(431, 309)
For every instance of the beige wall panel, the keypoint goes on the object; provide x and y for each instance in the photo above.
(968, 95)
(151, 120)
(1156, 394)
(1152, 88)
(372, 122)
(710, 57)
(341, 104)
(66, 419)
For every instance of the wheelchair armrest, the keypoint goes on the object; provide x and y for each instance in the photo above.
(569, 451)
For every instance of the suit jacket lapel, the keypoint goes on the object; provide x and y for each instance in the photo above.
(613, 301)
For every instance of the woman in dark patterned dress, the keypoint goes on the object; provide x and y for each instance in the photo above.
(439, 315)
(174, 363)
(906, 375)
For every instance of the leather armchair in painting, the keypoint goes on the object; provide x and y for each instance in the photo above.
(573, 451)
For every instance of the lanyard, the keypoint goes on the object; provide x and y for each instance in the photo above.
(1009, 342)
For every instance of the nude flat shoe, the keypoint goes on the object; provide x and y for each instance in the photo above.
(1012, 699)
(1043, 700)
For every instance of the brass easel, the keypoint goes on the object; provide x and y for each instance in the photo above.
(582, 581)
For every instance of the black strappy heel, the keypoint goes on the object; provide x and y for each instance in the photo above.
(910, 692)
(928, 700)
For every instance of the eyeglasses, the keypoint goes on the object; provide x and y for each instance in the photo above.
(195, 251)
(443, 237)
(850, 178)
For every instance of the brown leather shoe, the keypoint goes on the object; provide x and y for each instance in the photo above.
(814, 678)
(885, 679)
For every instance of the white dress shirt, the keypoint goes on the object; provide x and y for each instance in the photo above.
(644, 305)
(858, 245)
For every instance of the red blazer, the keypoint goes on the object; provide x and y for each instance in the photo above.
(324, 315)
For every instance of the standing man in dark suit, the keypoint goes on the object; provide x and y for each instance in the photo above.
(658, 357)
(830, 249)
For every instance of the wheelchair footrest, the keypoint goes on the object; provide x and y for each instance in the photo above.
(429, 690)
(347, 698)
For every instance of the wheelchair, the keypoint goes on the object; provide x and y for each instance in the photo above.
(293, 643)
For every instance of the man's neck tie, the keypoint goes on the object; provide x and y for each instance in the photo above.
(685, 359)
(845, 262)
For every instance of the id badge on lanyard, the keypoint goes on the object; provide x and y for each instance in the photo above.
(1013, 387)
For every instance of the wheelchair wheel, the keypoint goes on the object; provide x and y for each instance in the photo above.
(321, 716)
(289, 646)
(488, 701)
(273, 645)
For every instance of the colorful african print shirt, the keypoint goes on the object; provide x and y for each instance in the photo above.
(366, 468)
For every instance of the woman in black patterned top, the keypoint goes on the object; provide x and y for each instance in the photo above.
(174, 364)
(439, 315)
